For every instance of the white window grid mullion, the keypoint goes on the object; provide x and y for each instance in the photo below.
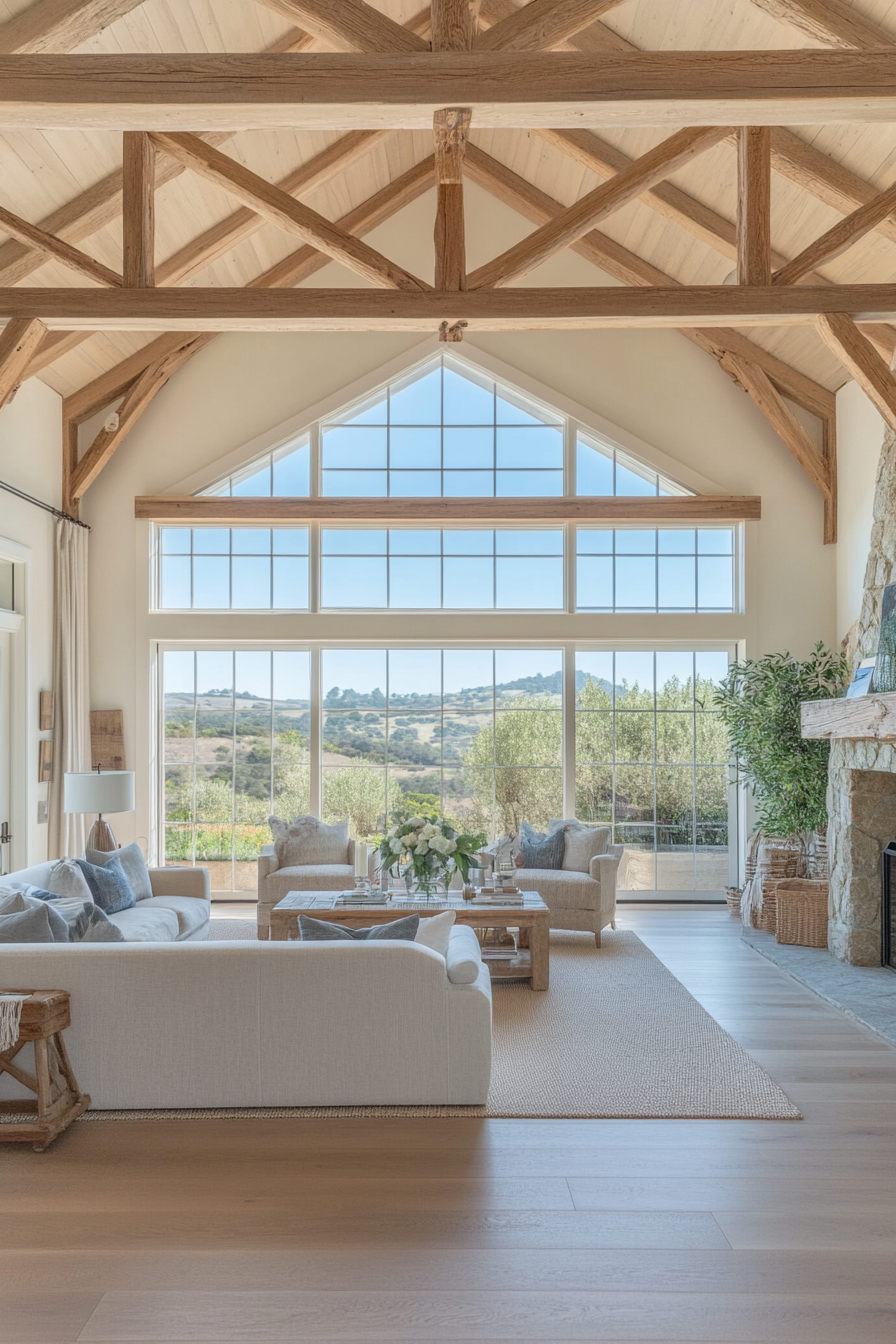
(315, 800)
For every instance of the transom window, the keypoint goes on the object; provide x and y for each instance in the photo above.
(242, 568)
(464, 569)
(655, 569)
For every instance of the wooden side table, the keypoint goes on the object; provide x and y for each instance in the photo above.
(45, 1015)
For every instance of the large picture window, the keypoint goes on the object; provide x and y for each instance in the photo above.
(242, 568)
(476, 734)
(652, 763)
(235, 732)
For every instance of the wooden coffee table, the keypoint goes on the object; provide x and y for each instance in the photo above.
(531, 962)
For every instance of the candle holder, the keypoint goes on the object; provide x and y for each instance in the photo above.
(364, 885)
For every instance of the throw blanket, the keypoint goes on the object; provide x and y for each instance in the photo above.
(10, 1017)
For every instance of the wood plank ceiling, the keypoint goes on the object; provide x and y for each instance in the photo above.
(680, 230)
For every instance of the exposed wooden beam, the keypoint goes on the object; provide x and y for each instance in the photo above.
(216, 241)
(828, 21)
(18, 345)
(349, 25)
(136, 400)
(542, 24)
(450, 128)
(754, 187)
(782, 419)
(507, 309)
(839, 238)
(138, 209)
(823, 177)
(69, 463)
(60, 25)
(829, 453)
(82, 216)
(618, 508)
(454, 24)
(291, 270)
(279, 208)
(630, 269)
(56, 249)
(506, 89)
(700, 220)
(860, 358)
(596, 205)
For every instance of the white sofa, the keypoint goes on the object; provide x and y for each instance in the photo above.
(177, 912)
(265, 1024)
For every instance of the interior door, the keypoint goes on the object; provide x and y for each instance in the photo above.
(5, 747)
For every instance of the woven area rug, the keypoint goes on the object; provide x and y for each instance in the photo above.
(615, 1036)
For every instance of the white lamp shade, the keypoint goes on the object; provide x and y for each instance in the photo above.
(109, 791)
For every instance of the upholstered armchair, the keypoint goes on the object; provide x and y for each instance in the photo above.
(581, 894)
(306, 855)
(274, 883)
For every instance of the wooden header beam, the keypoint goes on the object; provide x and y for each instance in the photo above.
(324, 91)
(251, 309)
(582, 508)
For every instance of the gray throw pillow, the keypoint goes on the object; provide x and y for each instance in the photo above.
(95, 926)
(323, 931)
(309, 840)
(109, 886)
(539, 850)
(37, 923)
(66, 879)
(134, 865)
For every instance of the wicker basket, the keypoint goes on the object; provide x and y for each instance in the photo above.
(802, 912)
(777, 860)
(732, 899)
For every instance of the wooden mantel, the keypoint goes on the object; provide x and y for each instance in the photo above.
(868, 718)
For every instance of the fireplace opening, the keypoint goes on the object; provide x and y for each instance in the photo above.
(888, 905)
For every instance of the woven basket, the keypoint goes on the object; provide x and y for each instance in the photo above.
(818, 868)
(802, 912)
(732, 899)
(777, 860)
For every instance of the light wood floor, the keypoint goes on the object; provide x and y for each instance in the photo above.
(466, 1230)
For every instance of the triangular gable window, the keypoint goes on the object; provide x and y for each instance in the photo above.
(446, 430)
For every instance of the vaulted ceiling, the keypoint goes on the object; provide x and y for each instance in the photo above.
(681, 230)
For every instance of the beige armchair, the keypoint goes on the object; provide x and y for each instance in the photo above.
(578, 897)
(274, 883)
(576, 900)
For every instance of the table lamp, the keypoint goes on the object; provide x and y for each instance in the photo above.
(100, 791)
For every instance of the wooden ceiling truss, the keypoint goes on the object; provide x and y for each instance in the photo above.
(550, 66)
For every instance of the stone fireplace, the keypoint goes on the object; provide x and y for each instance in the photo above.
(862, 822)
(862, 770)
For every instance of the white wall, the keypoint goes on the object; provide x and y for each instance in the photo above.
(31, 459)
(860, 430)
(653, 384)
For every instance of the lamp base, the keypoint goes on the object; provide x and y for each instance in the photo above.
(101, 837)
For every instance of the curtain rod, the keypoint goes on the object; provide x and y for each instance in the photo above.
(39, 503)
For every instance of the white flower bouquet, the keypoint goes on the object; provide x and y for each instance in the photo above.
(428, 853)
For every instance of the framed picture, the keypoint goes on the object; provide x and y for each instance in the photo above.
(45, 762)
(47, 710)
(861, 680)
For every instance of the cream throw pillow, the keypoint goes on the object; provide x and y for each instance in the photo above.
(435, 932)
(309, 840)
(582, 843)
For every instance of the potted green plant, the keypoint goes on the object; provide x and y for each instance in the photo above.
(759, 702)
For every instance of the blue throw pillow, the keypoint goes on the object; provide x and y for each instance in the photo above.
(109, 885)
(542, 851)
(323, 931)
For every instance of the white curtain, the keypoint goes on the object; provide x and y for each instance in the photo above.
(71, 737)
